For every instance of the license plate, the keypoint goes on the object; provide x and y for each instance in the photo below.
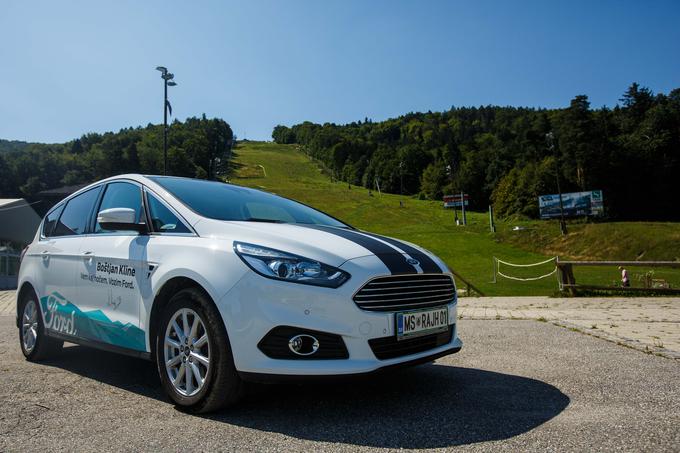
(422, 322)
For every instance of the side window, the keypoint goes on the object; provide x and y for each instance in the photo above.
(163, 220)
(121, 195)
(76, 214)
(51, 221)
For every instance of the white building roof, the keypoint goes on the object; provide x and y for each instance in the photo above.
(18, 220)
(8, 201)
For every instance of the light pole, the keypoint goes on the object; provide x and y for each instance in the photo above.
(401, 183)
(167, 81)
(550, 138)
(401, 178)
(449, 172)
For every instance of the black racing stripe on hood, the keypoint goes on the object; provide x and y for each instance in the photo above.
(395, 261)
(426, 263)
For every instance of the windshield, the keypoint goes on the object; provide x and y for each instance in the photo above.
(221, 201)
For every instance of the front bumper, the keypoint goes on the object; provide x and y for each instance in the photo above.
(269, 378)
(255, 305)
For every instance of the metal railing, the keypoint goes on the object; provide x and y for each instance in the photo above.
(469, 287)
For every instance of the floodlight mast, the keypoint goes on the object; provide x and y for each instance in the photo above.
(550, 139)
(167, 81)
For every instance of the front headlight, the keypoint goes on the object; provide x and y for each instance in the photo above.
(288, 267)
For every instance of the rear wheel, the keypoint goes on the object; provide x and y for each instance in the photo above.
(193, 355)
(35, 345)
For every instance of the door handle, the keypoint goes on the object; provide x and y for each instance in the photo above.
(87, 256)
(45, 255)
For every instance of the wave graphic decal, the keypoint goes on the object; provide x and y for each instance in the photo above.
(64, 317)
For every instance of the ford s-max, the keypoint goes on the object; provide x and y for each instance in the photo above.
(221, 284)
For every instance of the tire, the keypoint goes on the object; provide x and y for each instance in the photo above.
(221, 385)
(37, 346)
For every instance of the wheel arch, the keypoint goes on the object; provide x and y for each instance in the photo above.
(169, 288)
(25, 288)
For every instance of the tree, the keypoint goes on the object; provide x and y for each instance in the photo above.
(433, 181)
(283, 135)
(576, 139)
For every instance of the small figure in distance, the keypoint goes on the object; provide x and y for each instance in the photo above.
(625, 281)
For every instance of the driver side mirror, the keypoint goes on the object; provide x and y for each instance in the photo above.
(120, 219)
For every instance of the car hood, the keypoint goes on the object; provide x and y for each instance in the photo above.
(329, 245)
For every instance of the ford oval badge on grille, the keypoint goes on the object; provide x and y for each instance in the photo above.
(413, 262)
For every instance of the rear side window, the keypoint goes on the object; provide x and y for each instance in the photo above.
(121, 195)
(162, 218)
(51, 221)
(76, 214)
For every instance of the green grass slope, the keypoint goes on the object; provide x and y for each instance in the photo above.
(630, 241)
(284, 170)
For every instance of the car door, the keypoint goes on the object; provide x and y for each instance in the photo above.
(169, 235)
(59, 250)
(112, 270)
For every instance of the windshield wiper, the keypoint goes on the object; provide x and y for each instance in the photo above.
(256, 219)
(323, 224)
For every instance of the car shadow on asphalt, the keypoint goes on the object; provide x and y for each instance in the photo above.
(430, 406)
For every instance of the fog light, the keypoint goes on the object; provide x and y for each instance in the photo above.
(303, 344)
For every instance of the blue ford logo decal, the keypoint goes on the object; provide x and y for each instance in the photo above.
(413, 262)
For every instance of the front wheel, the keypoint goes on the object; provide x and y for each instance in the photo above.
(193, 354)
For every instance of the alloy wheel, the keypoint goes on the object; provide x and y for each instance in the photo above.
(29, 326)
(187, 352)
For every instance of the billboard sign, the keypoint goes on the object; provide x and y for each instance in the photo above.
(456, 201)
(574, 204)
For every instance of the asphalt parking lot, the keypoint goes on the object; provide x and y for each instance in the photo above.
(517, 385)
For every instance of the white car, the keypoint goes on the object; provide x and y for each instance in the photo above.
(221, 284)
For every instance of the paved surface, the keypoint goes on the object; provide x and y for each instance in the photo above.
(7, 302)
(516, 386)
(650, 324)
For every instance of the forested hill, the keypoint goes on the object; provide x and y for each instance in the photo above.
(197, 147)
(7, 146)
(504, 156)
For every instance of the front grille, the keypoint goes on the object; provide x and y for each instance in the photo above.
(389, 347)
(406, 292)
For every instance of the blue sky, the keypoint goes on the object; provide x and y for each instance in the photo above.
(72, 67)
